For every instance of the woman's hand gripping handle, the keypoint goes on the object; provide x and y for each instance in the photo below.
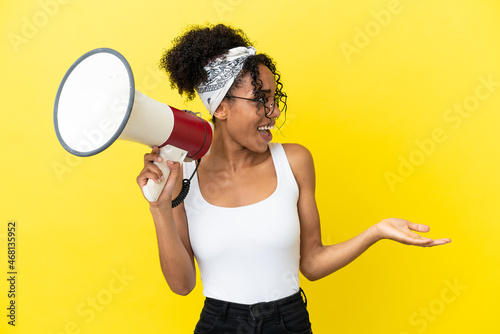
(156, 172)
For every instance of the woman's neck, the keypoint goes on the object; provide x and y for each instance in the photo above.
(230, 156)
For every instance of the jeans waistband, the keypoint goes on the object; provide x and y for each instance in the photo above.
(259, 310)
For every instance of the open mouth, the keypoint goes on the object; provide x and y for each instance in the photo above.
(265, 132)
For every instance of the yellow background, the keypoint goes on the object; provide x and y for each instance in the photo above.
(365, 87)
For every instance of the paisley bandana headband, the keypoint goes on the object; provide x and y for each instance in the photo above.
(221, 73)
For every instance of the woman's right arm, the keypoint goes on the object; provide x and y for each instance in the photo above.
(176, 254)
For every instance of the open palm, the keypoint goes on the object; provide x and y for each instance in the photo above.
(402, 231)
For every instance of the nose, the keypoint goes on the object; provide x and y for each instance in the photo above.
(276, 112)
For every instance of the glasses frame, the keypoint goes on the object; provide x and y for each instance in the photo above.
(258, 100)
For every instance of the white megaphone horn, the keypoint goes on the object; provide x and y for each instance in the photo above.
(97, 103)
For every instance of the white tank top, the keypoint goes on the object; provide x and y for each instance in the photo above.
(247, 254)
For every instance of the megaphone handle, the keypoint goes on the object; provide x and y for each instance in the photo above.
(152, 190)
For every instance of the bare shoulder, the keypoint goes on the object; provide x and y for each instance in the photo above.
(297, 154)
(300, 160)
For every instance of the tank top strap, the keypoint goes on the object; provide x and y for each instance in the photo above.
(188, 169)
(283, 170)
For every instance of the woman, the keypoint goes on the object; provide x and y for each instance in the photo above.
(250, 218)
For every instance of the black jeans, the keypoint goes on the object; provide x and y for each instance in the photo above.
(285, 316)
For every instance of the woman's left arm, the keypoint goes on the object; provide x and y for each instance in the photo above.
(318, 260)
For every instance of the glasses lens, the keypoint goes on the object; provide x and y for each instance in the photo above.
(271, 107)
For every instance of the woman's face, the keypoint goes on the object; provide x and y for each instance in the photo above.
(246, 121)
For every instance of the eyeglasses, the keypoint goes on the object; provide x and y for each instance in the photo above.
(261, 100)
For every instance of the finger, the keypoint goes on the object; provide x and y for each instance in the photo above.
(143, 178)
(418, 227)
(174, 172)
(173, 165)
(441, 241)
(417, 241)
(431, 242)
(151, 167)
(172, 178)
(409, 237)
(150, 172)
(416, 236)
(150, 157)
(153, 156)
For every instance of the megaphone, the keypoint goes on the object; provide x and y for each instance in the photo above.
(97, 104)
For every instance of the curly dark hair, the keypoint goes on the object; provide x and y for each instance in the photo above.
(194, 49)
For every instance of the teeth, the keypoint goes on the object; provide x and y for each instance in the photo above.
(265, 127)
